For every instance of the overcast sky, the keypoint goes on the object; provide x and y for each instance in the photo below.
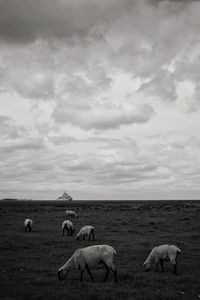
(100, 99)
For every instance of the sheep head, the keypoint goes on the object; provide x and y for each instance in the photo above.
(146, 266)
(59, 273)
(64, 270)
(62, 274)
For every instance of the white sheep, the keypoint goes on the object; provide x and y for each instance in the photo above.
(160, 254)
(86, 231)
(68, 226)
(71, 213)
(28, 224)
(93, 257)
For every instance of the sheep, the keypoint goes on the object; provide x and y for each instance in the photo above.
(28, 224)
(161, 253)
(93, 257)
(86, 230)
(71, 213)
(68, 226)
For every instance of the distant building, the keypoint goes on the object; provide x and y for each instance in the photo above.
(65, 196)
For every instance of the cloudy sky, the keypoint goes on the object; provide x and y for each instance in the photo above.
(100, 99)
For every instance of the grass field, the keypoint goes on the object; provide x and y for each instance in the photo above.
(29, 261)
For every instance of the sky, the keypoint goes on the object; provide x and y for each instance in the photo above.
(100, 99)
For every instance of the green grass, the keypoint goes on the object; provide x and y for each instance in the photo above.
(29, 261)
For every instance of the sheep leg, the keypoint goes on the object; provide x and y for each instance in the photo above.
(175, 269)
(93, 236)
(175, 265)
(89, 272)
(107, 273)
(113, 269)
(30, 228)
(107, 270)
(161, 263)
(83, 236)
(81, 275)
(89, 237)
(63, 232)
(156, 270)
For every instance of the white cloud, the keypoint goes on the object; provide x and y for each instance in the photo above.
(8, 128)
(101, 117)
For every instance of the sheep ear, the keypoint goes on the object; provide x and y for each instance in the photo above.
(59, 274)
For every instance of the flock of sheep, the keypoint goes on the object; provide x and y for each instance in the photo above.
(102, 256)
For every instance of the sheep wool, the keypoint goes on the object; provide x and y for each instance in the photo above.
(160, 254)
(93, 257)
(68, 226)
(71, 213)
(86, 231)
(28, 224)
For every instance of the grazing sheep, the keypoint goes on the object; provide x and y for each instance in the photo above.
(28, 224)
(71, 213)
(68, 226)
(84, 231)
(93, 257)
(161, 253)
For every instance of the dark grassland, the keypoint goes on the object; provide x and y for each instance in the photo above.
(29, 261)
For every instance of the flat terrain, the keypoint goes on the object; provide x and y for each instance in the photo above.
(29, 261)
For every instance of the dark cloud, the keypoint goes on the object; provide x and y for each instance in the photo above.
(157, 2)
(34, 144)
(183, 1)
(27, 20)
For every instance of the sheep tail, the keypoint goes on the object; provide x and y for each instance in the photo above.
(178, 251)
(114, 251)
